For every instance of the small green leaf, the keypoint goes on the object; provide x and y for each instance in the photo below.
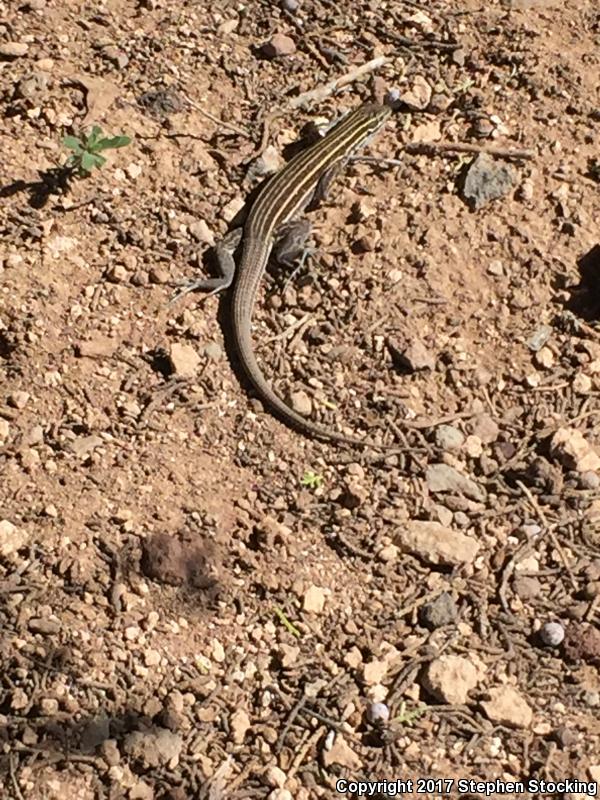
(73, 143)
(91, 160)
(99, 160)
(114, 142)
(92, 138)
(311, 479)
(285, 622)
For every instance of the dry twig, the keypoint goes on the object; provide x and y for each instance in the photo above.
(221, 124)
(327, 89)
(437, 148)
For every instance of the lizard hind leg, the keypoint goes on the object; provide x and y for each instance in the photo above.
(292, 247)
(292, 242)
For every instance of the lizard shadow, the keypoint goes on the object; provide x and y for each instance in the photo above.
(584, 301)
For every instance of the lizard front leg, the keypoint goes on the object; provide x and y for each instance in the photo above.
(224, 252)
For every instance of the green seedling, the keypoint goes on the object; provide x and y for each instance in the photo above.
(406, 717)
(87, 148)
(312, 480)
(285, 621)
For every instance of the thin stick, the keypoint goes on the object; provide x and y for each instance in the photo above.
(508, 570)
(289, 722)
(230, 126)
(318, 94)
(385, 162)
(304, 750)
(13, 777)
(328, 89)
(587, 329)
(435, 148)
(405, 41)
(333, 723)
(544, 520)
(525, 549)
(433, 423)
(290, 329)
(592, 608)
(354, 550)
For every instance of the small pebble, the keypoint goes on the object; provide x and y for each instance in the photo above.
(388, 553)
(184, 359)
(473, 446)
(539, 338)
(133, 170)
(365, 243)
(420, 20)
(117, 56)
(592, 699)
(18, 399)
(117, 274)
(413, 356)
(229, 26)
(589, 480)
(591, 590)
(4, 431)
(552, 633)
(449, 438)
(565, 736)
(378, 713)
(13, 49)
(527, 588)
(458, 57)
(13, 260)
(526, 190)
(439, 103)
(301, 403)
(484, 428)
(582, 384)
(232, 208)
(544, 358)
(278, 45)
(418, 95)
(441, 611)
(202, 233)
(483, 127)
(159, 275)
(213, 350)
(32, 86)
(461, 520)
(486, 180)
(267, 163)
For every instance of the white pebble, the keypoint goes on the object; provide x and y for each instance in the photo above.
(378, 713)
(552, 633)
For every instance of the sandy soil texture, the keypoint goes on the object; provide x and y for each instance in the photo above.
(195, 600)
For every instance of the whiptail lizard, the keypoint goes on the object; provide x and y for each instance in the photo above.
(286, 194)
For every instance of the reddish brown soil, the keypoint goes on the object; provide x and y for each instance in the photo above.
(198, 602)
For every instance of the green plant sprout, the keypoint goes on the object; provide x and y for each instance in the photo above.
(405, 717)
(312, 480)
(86, 150)
(285, 621)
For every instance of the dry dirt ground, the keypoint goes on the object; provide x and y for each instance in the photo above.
(198, 602)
